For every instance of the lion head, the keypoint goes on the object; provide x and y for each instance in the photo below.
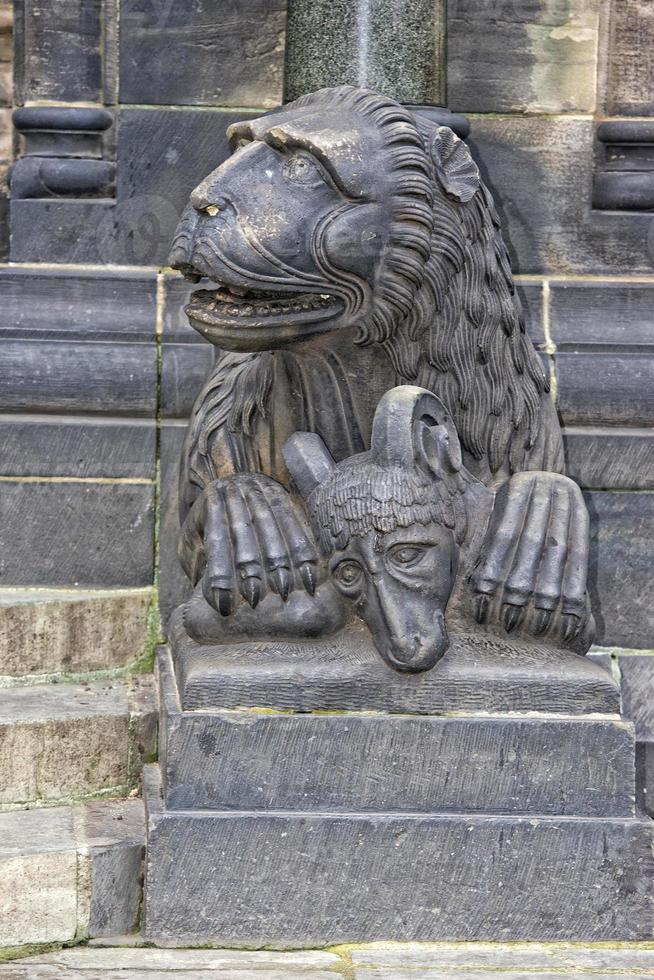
(343, 212)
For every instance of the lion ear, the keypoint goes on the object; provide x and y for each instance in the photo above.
(457, 172)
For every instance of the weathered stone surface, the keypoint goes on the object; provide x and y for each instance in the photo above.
(391, 47)
(69, 230)
(57, 873)
(617, 458)
(591, 315)
(173, 584)
(185, 368)
(435, 877)
(437, 959)
(54, 631)
(599, 388)
(226, 55)
(637, 693)
(531, 294)
(188, 964)
(538, 168)
(94, 304)
(621, 555)
(63, 740)
(76, 534)
(58, 57)
(61, 376)
(176, 294)
(631, 59)
(473, 764)
(349, 675)
(522, 57)
(77, 446)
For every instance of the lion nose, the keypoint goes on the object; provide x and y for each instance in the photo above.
(206, 198)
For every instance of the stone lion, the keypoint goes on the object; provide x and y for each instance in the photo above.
(353, 247)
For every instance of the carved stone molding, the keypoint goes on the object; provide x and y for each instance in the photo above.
(62, 153)
(625, 181)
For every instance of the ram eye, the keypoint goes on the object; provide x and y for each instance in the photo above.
(407, 555)
(302, 168)
(349, 574)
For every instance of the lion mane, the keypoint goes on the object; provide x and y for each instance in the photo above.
(445, 308)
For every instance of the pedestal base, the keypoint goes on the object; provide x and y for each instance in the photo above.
(294, 879)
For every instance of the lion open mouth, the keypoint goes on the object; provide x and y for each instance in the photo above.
(223, 314)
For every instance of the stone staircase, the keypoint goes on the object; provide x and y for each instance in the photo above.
(77, 722)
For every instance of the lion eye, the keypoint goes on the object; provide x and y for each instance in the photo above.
(301, 168)
(405, 555)
(348, 574)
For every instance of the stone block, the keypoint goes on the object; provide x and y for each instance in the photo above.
(345, 673)
(610, 459)
(57, 631)
(187, 964)
(215, 877)
(620, 576)
(162, 155)
(514, 961)
(45, 29)
(539, 168)
(591, 316)
(631, 59)
(93, 304)
(61, 533)
(534, 57)
(469, 764)
(72, 230)
(78, 377)
(605, 388)
(176, 294)
(531, 295)
(217, 54)
(56, 871)
(77, 446)
(173, 584)
(638, 693)
(63, 740)
(185, 368)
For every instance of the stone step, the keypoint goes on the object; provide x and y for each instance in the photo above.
(378, 961)
(467, 763)
(65, 741)
(283, 878)
(53, 631)
(70, 872)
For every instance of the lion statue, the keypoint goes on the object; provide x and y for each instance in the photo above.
(353, 247)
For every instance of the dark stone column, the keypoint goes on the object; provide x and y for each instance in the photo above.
(393, 46)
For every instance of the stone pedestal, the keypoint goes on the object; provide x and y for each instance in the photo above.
(283, 814)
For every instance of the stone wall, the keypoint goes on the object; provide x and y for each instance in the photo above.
(100, 366)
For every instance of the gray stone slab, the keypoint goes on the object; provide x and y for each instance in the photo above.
(86, 446)
(531, 295)
(631, 61)
(176, 294)
(249, 760)
(617, 458)
(58, 53)
(222, 962)
(539, 168)
(115, 832)
(539, 56)
(185, 368)
(345, 673)
(595, 315)
(637, 686)
(95, 304)
(605, 388)
(225, 54)
(162, 155)
(78, 377)
(279, 878)
(584, 960)
(72, 230)
(620, 574)
(76, 534)
(173, 584)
